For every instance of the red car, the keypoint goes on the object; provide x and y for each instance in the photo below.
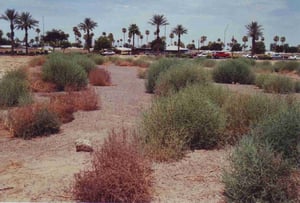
(221, 54)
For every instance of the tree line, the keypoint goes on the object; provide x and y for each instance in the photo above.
(57, 38)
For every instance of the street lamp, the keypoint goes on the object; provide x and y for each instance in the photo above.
(225, 30)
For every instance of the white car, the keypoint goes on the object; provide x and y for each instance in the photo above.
(108, 53)
(294, 57)
(202, 55)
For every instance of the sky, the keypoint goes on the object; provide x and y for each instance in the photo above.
(212, 18)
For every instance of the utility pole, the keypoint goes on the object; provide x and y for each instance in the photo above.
(225, 30)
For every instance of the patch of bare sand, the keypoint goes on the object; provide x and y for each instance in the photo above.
(12, 62)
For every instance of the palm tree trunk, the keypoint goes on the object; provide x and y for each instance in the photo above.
(133, 41)
(178, 46)
(253, 46)
(88, 40)
(26, 40)
(157, 32)
(12, 38)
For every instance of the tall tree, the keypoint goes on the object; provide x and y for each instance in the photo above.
(11, 15)
(254, 30)
(87, 26)
(26, 22)
(179, 30)
(132, 31)
(276, 39)
(147, 32)
(158, 20)
(124, 30)
(245, 40)
(282, 40)
(141, 38)
(37, 38)
(111, 38)
(171, 37)
(55, 38)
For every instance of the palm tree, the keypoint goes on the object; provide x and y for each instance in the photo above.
(141, 38)
(179, 30)
(37, 30)
(245, 40)
(171, 37)
(158, 20)
(276, 39)
(87, 26)
(124, 30)
(254, 31)
(25, 22)
(147, 32)
(132, 31)
(11, 15)
(282, 40)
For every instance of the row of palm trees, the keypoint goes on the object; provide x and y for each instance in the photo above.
(23, 21)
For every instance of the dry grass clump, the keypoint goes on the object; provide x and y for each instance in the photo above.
(142, 73)
(37, 61)
(67, 103)
(119, 173)
(36, 83)
(32, 120)
(99, 77)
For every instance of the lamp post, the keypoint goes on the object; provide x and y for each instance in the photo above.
(225, 30)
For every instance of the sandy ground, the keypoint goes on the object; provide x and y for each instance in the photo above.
(42, 169)
(12, 62)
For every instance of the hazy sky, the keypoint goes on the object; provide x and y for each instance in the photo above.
(200, 17)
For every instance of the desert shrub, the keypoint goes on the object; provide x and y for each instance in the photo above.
(98, 59)
(119, 173)
(123, 61)
(14, 89)
(87, 63)
(256, 174)
(142, 73)
(206, 62)
(233, 71)
(275, 83)
(297, 86)
(245, 111)
(37, 61)
(286, 66)
(249, 61)
(264, 66)
(35, 121)
(100, 77)
(64, 72)
(184, 120)
(155, 69)
(281, 131)
(260, 80)
(141, 63)
(64, 105)
(179, 77)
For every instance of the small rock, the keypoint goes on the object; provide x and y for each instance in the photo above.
(83, 145)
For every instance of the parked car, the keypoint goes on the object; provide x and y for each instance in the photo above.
(108, 53)
(250, 56)
(202, 55)
(277, 56)
(294, 57)
(221, 54)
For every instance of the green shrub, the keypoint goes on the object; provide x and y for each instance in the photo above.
(251, 62)
(87, 63)
(256, 174)
(14, 89)
(155, 69)
(286, 66)
(275, 83)
(233, 71)
(64, 72)
(98, 59)
(184, 120)
(264, 66)
(35, 121)
(282, 132)
(179, 77)
(205, 62)
(244, 111)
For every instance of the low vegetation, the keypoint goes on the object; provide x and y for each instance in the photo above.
(179, 77)
(233, 71)
(14, 89)
(275, 83)
(100, 77)
(119, 173)
(64, 72)
(35, 121)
